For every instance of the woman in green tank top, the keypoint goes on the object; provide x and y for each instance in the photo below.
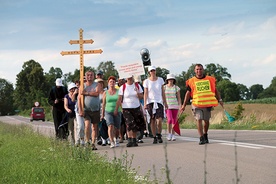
(113, 122)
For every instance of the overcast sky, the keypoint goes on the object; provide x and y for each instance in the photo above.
(238, 34)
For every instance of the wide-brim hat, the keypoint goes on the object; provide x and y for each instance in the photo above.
(71, 86)
(170, 76)
(59, 82)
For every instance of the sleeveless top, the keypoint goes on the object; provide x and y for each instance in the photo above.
(111, 101)
(91, 103)
(71, 105)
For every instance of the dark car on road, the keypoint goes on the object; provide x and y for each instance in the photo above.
(37, 114)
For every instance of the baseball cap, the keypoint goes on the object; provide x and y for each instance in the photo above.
(99, 72)
(59, 82)
(151, 68)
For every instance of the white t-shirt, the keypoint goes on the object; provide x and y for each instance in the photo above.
(154, 90)
(130, 98)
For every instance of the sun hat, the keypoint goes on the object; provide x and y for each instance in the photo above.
(59, 82)
(170, 76)
(71, 86)
(151, 68)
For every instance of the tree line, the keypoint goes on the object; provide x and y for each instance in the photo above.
(33, 84)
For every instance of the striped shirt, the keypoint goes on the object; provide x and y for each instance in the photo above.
(171, 96)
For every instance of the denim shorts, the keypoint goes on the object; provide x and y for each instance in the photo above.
(111, 119)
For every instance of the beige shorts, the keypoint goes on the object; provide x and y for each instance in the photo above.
(202, 113)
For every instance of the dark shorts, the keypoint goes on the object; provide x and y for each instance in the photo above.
(92, 116)
(202, 113)
(134, 119)
(159, 112)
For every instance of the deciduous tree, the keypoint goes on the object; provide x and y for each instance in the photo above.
(255, 90)
(6, 97)
(30, 85)
(228, 90)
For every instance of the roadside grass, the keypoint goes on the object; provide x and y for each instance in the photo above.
(27, 157)
(254, 117)
(258, 115)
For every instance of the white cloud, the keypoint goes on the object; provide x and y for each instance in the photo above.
(125, 42)
(224, 43)
(270, 24)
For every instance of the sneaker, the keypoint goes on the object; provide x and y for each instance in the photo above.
(159, 137)
(117, 143)
(121, 141)
(82, 142)
(169, 137)
(140, 141)
(99, 141)
(94, 147)
(108, 141)
(103, 142)
(155, 140)
(112, 145)
(206, 138)
(201, 140)
(173, 138)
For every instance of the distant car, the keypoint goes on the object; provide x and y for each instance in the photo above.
(37, 114)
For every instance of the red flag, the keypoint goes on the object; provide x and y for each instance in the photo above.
(176, 128)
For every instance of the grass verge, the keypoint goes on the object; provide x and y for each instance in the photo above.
(27, 157)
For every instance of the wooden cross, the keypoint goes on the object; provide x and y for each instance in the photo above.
(80, 52)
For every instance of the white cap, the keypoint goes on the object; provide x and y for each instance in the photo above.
(71, 85)
(59, 82)
(151, 68)
(99, 80)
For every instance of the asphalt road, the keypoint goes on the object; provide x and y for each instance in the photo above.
(249, 156)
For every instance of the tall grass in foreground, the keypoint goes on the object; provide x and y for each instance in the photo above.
(27, 157)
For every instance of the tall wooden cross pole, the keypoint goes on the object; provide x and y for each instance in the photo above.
(81, 52)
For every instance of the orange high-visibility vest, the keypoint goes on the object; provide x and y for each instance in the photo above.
(203, 91)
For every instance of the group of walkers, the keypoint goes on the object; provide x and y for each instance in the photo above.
(123, 111)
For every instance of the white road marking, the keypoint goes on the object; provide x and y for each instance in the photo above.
(229, 143)
(244, 146)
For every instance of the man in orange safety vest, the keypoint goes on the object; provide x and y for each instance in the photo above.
(202, 89)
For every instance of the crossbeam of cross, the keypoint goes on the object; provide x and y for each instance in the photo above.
(81, 52)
